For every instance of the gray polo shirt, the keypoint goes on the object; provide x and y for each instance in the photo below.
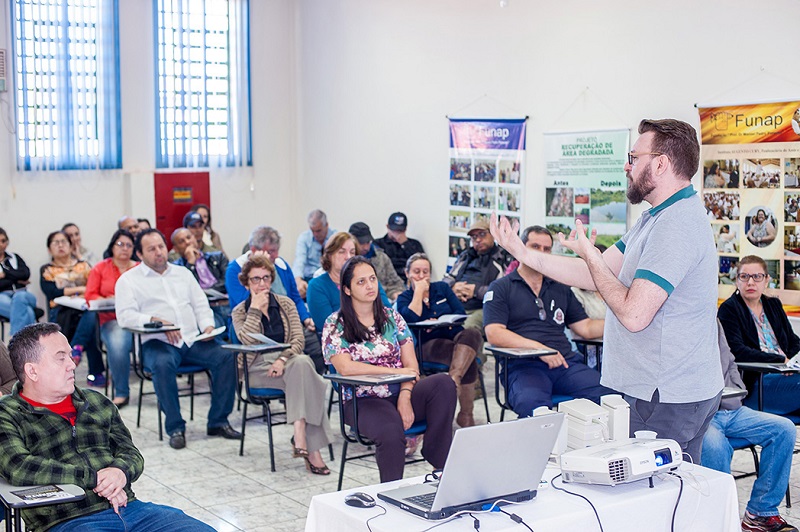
(671, 245)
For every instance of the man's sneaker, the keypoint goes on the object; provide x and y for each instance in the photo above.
(77, 354)
(773, 523)
(98, 381)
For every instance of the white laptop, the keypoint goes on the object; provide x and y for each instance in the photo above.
(486, 463)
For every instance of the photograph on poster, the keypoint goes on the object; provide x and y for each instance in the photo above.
(759, 226)
(559, 201)
(726, 237)
(484, 197)
(761, 173)
(508, 171)
(485, 171)
(460, 169)
(582, 214)
(791, 275)
(791, 241)
(457, 245)
(790, 206)
(508, 199)
(581, 196)
(721, 174)
(773, 269)
(481, 217)
(728, 269)
(609, 206)
(460, 195)
(791, 173)
(459, 221)
(722, 205)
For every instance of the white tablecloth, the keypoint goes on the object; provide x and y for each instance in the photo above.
(708, 503)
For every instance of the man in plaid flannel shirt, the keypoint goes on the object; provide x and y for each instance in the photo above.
(54, 433)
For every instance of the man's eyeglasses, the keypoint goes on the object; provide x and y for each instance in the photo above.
(258, 280)
(478, 235)
(124, 245)
(633, 156)
(542, 313)
(757, 277)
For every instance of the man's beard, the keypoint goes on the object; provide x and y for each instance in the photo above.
(640, 188)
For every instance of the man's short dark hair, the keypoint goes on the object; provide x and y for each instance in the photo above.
(137, 246)
(25, 347)
(535, 229)
(677, 140)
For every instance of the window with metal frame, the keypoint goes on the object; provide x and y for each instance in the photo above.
(203, 83)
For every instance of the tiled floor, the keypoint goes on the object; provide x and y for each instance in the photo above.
(210, 481)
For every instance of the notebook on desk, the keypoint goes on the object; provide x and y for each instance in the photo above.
(472, 478)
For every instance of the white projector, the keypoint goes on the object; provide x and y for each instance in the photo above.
(617, 462)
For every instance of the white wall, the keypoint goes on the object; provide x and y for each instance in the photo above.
(350, 98)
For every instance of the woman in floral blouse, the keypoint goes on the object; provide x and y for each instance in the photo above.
(366, 338)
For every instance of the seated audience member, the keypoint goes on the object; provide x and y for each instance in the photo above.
(474, 270)
(366, 338)
(143, 224)
(455, 346)
(129, 224)
(265, 240)
(16, 303)
(510, 323)
(157, 291)
(758, 330)
(64, 275)
(54, 433)
(210, 237)
(323, 290)
(309, 248)
(193, 222)
(774, 434)
(7, 375)
(78, 251)
(397, 245)
(392, 282)
(276, 317)
(101, 285)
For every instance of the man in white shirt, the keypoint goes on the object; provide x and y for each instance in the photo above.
(162, 292)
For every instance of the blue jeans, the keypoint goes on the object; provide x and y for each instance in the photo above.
(137, 516)
(776, 436)
(119, 344)
(781, 394)
(162, 361)
(531, 383)
(18, 308)
(86, 336)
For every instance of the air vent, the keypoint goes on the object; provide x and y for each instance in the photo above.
(618, 470)
(3, 70)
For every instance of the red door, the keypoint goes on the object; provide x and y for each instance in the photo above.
(175, 195)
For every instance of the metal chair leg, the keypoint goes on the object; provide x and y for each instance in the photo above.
(271, 445)
(244, 424)
(341, 467)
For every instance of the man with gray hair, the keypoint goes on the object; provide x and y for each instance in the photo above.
(264, 240)
(309, 248)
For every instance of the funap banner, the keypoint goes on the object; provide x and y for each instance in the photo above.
(750, 163)
(585, 180)
(486, 174)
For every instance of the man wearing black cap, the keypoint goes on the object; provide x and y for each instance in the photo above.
(384, 269)
(397, 245)
(194, 223)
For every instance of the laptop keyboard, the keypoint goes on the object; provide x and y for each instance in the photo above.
(425, 501)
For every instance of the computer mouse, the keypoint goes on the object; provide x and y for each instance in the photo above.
(359, 499)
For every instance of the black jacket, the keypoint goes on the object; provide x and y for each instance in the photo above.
(742, 335)
(217, 265)
(15, 271)
(493, 266)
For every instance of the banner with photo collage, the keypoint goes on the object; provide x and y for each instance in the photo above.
(585, 180)
(750, 161)
(487, 165)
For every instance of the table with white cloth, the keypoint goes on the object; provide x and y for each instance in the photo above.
(708, 503)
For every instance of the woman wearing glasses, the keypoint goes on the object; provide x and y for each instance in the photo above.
(453, 346)
(758, 330)
(366, 338)
(276, 317)
(102, 280)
